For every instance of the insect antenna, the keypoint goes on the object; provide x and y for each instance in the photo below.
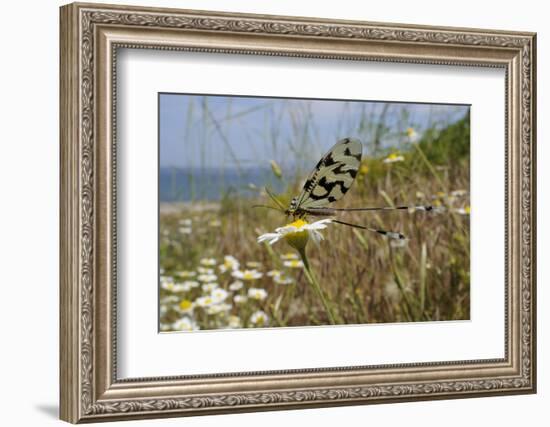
(389, 234)
(329, 211)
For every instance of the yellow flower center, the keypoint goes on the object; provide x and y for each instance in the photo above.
(299, 223)
(185, 304)
(364, 169)
(393, 156)
(260, 320)
(410, 132)
(297, 239)
(289, 255)
(467, 209)
(248, 275)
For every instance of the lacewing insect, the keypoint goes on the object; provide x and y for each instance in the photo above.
(329, 181)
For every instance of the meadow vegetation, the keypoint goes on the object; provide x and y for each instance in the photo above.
(214, 273)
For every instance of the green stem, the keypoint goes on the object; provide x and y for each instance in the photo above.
(430, 166)
(289, 296)
(401, 287)
(315, 285)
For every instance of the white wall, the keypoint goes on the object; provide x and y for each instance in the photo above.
(29, 170)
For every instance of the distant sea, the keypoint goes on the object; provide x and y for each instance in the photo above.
(188, 184)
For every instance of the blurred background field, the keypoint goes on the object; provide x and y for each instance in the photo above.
(218, 153)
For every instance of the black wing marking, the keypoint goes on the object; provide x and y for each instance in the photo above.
(333, 175)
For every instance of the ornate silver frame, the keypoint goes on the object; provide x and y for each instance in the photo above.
(90, 36)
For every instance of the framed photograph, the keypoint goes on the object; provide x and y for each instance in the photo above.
(267, 212)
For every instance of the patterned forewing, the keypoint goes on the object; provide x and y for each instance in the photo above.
(333, 175)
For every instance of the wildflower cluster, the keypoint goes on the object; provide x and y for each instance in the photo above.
(222, 293)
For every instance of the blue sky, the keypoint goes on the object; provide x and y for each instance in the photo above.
(240, 132)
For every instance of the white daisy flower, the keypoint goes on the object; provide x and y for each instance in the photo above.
(259, 318)
(282, 280)
(207, 278)
(218, 308)
(463, 211)
(297, 233)
(257, 294)
(209, 287)
(293, 264)
(247, 274)
(273, 273)
(186, 274)
(185, 306)
(289, 255)
(186, 222)
(165, 327)
(234, 322)
(237, 285)
(179, 287)
(169, 300)
(167, 284)
(412, 135)
(185, 324)
(240, 299)
(185, 230)
(229, 263)
(205, 301)
(203, 270)
(189, 284)
(219, 295)
(208, 262)
(393, 158)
